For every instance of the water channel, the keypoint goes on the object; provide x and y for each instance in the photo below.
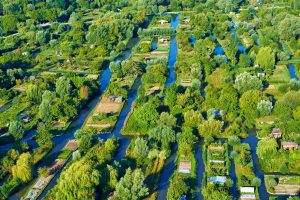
(252, 140)
(169, 165)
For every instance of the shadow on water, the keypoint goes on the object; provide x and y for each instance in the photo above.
(234, 190)
(252, 140)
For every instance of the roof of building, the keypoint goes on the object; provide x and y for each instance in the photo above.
(289, 144)
(247, 196)
(247, 189)
(218, 179)
(185, 163)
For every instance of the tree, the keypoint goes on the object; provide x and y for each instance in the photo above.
(78, 181)
(265, 58)
(211, 128)
(43, 137)
(143, 119)
(167, 119)
(44, 108)
(192, 118)
(248, 104)
(165, 135)
(34, 93)
(23, 170)
(266, 147)
(132, 186)
(85, 143)
(246, 81)
(233, 140)
(170, 98)
(264, 107)
(84, 92)
(16, 130)
(256, 182)
(63, 88)
(177, 188)
(140, 150)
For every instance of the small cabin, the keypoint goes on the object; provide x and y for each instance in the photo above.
(186, 82)
(185, 167)
(163, 40)
(27, 119)
(153, 90)
(25, 53)
(219, 180)
(162, 21)
(115, 98)
(247, 197)
(261, 74)
(276, 133)
(187, 20)
(250, 190)
(289, 145)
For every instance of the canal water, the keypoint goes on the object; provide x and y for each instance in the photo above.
(169, 165)
(293, 75)
(200, 171)
(252, 140)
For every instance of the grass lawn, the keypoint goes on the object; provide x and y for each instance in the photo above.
(280, 75)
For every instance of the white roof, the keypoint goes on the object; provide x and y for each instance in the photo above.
(247, 189)
(248, 196)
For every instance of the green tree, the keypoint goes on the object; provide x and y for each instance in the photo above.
(264, 107)
(78, 181)
(166, 119)
(246, 81)
(132, 186)
(43, 137)
(177, 188)
(63, 88)
(16, 130)
(165, 135)
(266, 147)
(23, 170)
(211, 128)
(256, 182)
(140, 150)
(45, 106)
(34, 93)
(192, 118)
(248, 105)
(265, 58)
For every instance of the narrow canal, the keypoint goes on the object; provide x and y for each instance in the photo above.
(200, 171)
(252, 140)
(169, 166)
(292, 71)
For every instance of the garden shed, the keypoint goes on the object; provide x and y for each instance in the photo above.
(247, 190)
(247, 196)
(217, 179)
(162, 21)
(289, 145)
(276, 133)
(185, 167)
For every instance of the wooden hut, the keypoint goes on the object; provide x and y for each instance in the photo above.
(276, 133)
(289, 145)
(185, 167)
